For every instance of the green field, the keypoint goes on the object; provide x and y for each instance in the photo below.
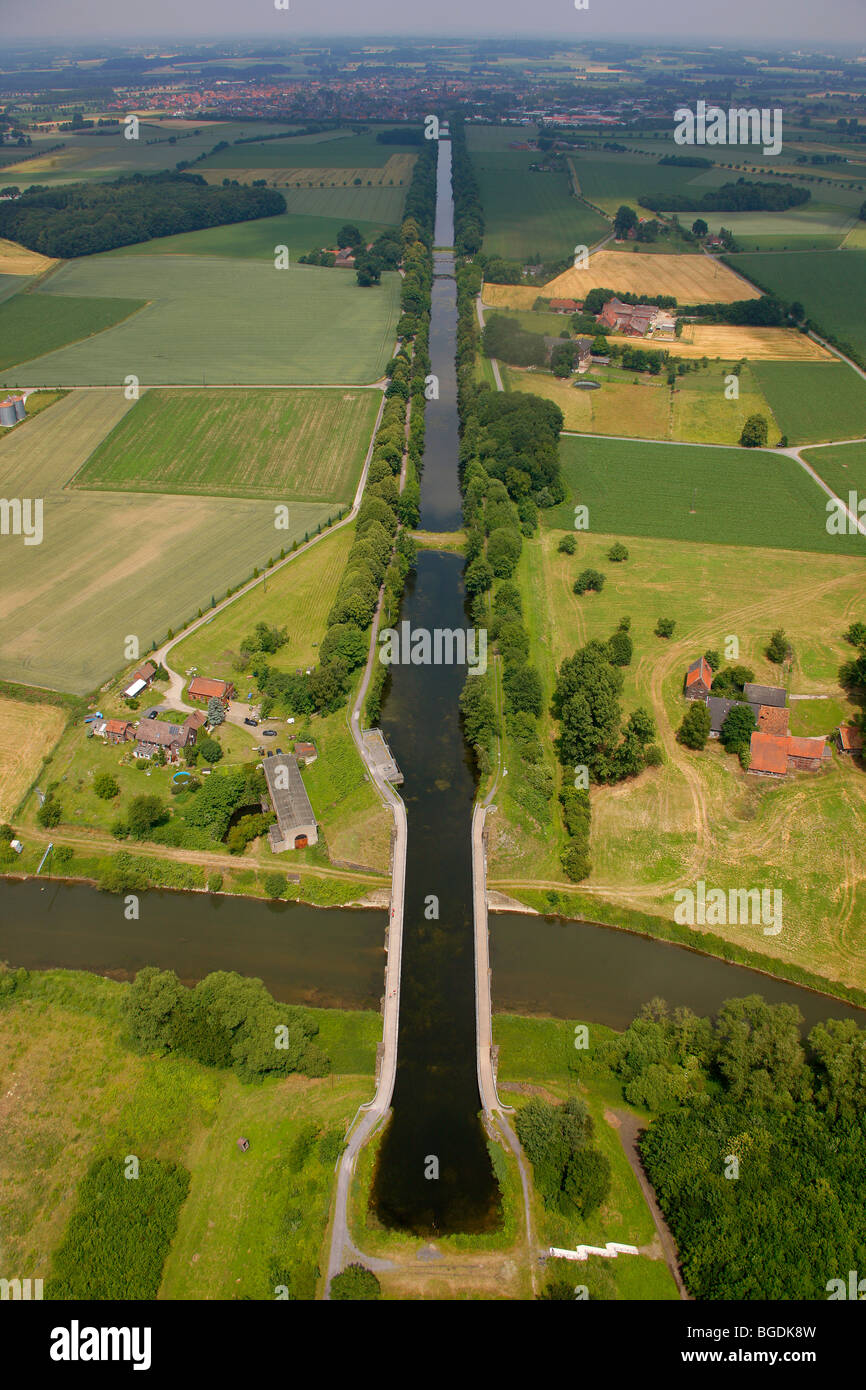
(91, 156)
(303, 446)
(831, 285)
(814, 401)
(112, 564)
(608, 179)
(250, 1221)
(210, 320)
(843, 467)
(689, 492)
(32, 324)
(256, 239)
(814, 226)
(334, 150)
(532, 216)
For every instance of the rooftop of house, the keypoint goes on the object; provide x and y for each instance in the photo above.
(850, 738)
(806, 747)
(700, 670)
(720, 708)
(158, 731)
(773, 719)
(765, 694)
(290, 802)
(769, 753)
(206, 685)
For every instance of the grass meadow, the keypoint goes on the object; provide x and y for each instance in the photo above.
(27, 732)
(114, 564)
(532, 216)
(814, 401)
(698, 815)
(829, 284)
(843, 467)
(643, 407)
(255, 240)
(217, 321)
(712, 496)
(306, 446)
(250, 1220)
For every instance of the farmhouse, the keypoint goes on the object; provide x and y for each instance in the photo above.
(849, 740)
(564, 306)
(296, 825)
(637, 320)
(117, 730)
(699, 678)
(582, 348)
(769, 755)
(141, 679)
(305, 753)
(155, 734)
(774, 755)
(203, 688)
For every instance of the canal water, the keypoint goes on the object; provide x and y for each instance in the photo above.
(434, 1173)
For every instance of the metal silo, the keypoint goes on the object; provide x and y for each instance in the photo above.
(20, 408)
(7, 413)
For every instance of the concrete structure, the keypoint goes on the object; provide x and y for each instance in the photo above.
(296, 825)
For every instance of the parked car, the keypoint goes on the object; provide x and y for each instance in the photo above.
(152, 713)
(269, 733)
(253, 723)
(279, 750)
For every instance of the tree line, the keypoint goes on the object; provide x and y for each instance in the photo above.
(740, 196)
(83, 219)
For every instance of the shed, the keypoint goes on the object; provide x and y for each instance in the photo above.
(765, 694)
(769, 755)
(849, 740)
(296, 824)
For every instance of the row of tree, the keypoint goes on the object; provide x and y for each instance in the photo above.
(740, 196)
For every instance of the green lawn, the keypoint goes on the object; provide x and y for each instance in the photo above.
(251, 1220)
(33, 324)
(608, 179)
(739, 497)
(814, 401)
(305, 446)
(213, 320)
(813, 226)
(830, 284)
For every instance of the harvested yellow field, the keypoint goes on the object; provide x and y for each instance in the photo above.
(731, 343)
(398, 169)
(510, 296)
(691, 279)
(17, 260)
(27, 733)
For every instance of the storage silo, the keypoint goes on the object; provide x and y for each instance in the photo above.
(7, 413)
(20, 407)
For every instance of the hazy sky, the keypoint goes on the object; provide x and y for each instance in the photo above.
(732, 21)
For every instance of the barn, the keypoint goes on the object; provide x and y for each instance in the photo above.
(296, 825)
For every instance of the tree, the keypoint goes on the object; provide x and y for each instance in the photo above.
(695, 728)
(50, 813)
(617, 552)
(758, 1052)
(738, 728)
(567, 544)
(148, 1009)
(523, 691)
(562, 360)
(624, 222)
(589, 579)
(755, 432)
(105, 786)
(275, 885)
(344, 642)
(665, 627)
(348, 235)
(210, 749)
(215, 711)
(144, 813)
(778, 647)
(713, 659)
(478, 576)
(355, 1283)
(620, 649)
(699, 227)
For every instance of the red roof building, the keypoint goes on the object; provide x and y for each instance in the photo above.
(769, 755)
(849, 740)
(699, 678)
(203, 688)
